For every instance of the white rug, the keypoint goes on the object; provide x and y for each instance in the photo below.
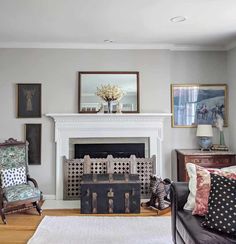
(103, 230)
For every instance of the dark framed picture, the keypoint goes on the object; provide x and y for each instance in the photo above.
(33, 136)
(29, 100)
(194, 104)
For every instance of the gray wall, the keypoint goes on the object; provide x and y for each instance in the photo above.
(57, 70)
(231, 65)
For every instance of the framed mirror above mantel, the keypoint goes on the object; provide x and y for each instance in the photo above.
(126, 81)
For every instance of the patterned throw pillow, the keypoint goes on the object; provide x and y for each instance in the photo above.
(222, 205)
(14, 176)
(203, 187)
(192, 173)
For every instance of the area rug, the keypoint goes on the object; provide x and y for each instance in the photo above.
(103, 230)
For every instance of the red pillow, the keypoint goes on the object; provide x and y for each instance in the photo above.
(203, 187)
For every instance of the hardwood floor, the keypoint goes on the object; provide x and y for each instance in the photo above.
(21, 226)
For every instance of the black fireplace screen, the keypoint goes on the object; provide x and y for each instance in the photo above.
(117, 150)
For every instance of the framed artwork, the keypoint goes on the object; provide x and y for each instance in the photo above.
(29, 100)
(195, 104)
(33, 136)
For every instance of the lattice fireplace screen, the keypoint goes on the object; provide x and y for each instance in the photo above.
(74, 169)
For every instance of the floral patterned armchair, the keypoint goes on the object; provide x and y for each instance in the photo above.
(16, 193)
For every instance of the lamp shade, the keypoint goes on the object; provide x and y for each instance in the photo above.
(204, 131)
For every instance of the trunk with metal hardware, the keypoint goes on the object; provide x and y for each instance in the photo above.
(110, 193)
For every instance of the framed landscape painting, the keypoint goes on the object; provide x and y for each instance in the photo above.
(29, 100)
(198, 104)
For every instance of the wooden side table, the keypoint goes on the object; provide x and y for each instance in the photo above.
(209, 159)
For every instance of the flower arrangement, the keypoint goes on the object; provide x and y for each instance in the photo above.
(110, 92)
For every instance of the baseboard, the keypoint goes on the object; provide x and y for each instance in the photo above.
(49, 197)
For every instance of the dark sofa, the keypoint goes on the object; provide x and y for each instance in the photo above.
(187, 228)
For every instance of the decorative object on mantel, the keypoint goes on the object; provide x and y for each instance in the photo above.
(194, 104)
(110, 93)
(128, 81)
(205, 134)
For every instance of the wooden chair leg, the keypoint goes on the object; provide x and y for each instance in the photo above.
(38, 208)
(4, 220)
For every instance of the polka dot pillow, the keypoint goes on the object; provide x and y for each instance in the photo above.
(222, 205)
(14, 176)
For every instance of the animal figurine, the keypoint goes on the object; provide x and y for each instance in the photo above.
(159, 192)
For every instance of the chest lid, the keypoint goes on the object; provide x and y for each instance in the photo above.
(110, 178)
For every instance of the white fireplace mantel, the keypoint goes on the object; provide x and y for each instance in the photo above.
(147, 125)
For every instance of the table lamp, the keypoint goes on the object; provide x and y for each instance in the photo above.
(205, 134)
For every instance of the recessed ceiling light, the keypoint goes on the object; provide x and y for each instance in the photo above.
(177, 19)
(108, 41)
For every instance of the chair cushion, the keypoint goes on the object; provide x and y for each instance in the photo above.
(12, 177)
(21, 192)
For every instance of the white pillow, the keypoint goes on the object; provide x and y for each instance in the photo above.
(231, 169)
(192, 185)
(14, 176)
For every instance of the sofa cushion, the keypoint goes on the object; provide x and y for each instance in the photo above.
(192, 173)
(222, 205)
(204, 186)
(190, 229)
(21, 192)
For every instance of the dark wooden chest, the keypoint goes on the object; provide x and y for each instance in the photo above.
(110, 193)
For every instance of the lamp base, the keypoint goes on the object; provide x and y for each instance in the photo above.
(205, 149)
(205, 143)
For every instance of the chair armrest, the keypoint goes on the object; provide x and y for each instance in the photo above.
(178, 194)
(33, 181)
(1, 197)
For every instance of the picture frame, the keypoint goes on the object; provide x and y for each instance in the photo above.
(29, 100)
(193, 104)
(33, 136)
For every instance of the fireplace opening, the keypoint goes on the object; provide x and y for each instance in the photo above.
(117, 150)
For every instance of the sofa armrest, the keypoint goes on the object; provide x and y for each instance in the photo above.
(178, 194)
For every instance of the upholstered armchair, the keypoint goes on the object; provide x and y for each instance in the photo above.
(16, 192)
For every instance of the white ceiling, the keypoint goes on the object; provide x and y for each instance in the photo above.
(130, 23)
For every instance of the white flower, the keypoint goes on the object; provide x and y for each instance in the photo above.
(219, 122)
(110, 92)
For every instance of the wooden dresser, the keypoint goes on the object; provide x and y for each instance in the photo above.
(209, 159)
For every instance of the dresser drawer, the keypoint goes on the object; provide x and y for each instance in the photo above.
(203, 159)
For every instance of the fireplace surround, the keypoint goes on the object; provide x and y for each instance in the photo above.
(143, 125)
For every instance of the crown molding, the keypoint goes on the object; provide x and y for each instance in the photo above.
(131, 46)
(197, 48)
